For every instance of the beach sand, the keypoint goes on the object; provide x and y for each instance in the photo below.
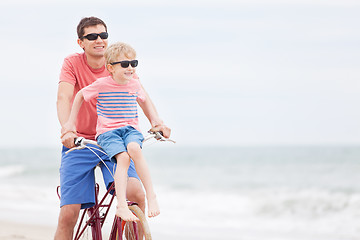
(20, 231)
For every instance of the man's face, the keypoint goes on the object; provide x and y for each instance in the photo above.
(97, 47)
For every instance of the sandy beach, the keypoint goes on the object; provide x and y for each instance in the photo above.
(17, 231)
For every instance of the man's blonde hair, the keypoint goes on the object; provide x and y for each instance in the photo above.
(119, 49)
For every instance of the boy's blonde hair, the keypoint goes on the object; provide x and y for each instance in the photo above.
(117, 49)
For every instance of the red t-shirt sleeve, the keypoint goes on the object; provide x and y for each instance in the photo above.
(67, 73)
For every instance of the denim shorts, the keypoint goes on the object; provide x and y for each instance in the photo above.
(116, 141)
(77, 177)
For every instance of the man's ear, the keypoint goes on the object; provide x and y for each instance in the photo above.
(81, 43)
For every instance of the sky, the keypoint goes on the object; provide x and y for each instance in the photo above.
(220, 72)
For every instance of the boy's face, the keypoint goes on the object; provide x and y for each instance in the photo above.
(97, 47)
(122, 74)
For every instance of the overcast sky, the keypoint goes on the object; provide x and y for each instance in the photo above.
(220, 72)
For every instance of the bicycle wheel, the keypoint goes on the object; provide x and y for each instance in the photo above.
(134, 230)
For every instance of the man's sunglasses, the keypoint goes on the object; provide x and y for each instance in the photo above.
(94, 36)
(126, 63)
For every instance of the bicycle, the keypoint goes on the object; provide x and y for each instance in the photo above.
(98, 213)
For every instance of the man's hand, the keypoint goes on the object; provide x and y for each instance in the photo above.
(166, 131)
(68, 138)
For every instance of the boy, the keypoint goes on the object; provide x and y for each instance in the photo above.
(117, 130)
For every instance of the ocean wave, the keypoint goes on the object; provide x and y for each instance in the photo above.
(306, 203)
(11, 170)
(314, 212)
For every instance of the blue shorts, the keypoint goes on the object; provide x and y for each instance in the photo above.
(116, 141)
(77, 177)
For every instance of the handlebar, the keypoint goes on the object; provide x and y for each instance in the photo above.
(158, 136)
(81, 142)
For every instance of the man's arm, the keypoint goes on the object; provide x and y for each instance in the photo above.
(70, 126)
(63, 104)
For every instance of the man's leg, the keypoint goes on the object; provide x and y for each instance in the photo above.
(67, 219)
(135, 193)
(77, 189)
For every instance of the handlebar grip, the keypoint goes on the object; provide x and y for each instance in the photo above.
(78, 141)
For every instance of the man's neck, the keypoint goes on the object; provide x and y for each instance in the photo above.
(95, 62)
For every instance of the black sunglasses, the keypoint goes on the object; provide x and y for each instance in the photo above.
(126, 63)
(94, 36)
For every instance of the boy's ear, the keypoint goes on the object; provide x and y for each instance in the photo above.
(110, 67)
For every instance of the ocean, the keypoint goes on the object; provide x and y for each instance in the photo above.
(245, 193)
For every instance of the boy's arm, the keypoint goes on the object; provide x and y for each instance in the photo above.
(151, 102)
(150, 109)
(150, 112)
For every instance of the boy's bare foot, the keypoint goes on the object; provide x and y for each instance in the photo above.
(153, 207)
(125, 214)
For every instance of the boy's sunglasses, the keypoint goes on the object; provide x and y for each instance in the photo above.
(126, 63)
(94, 36)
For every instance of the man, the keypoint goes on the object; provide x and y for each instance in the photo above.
(76, 171)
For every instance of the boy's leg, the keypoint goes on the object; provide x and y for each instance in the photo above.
(113, 144)
(122, 211)
(134, 190)
(143, 171)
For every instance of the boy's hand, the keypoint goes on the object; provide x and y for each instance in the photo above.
(166, 131)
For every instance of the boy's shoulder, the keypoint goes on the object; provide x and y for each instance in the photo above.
(102, 80)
